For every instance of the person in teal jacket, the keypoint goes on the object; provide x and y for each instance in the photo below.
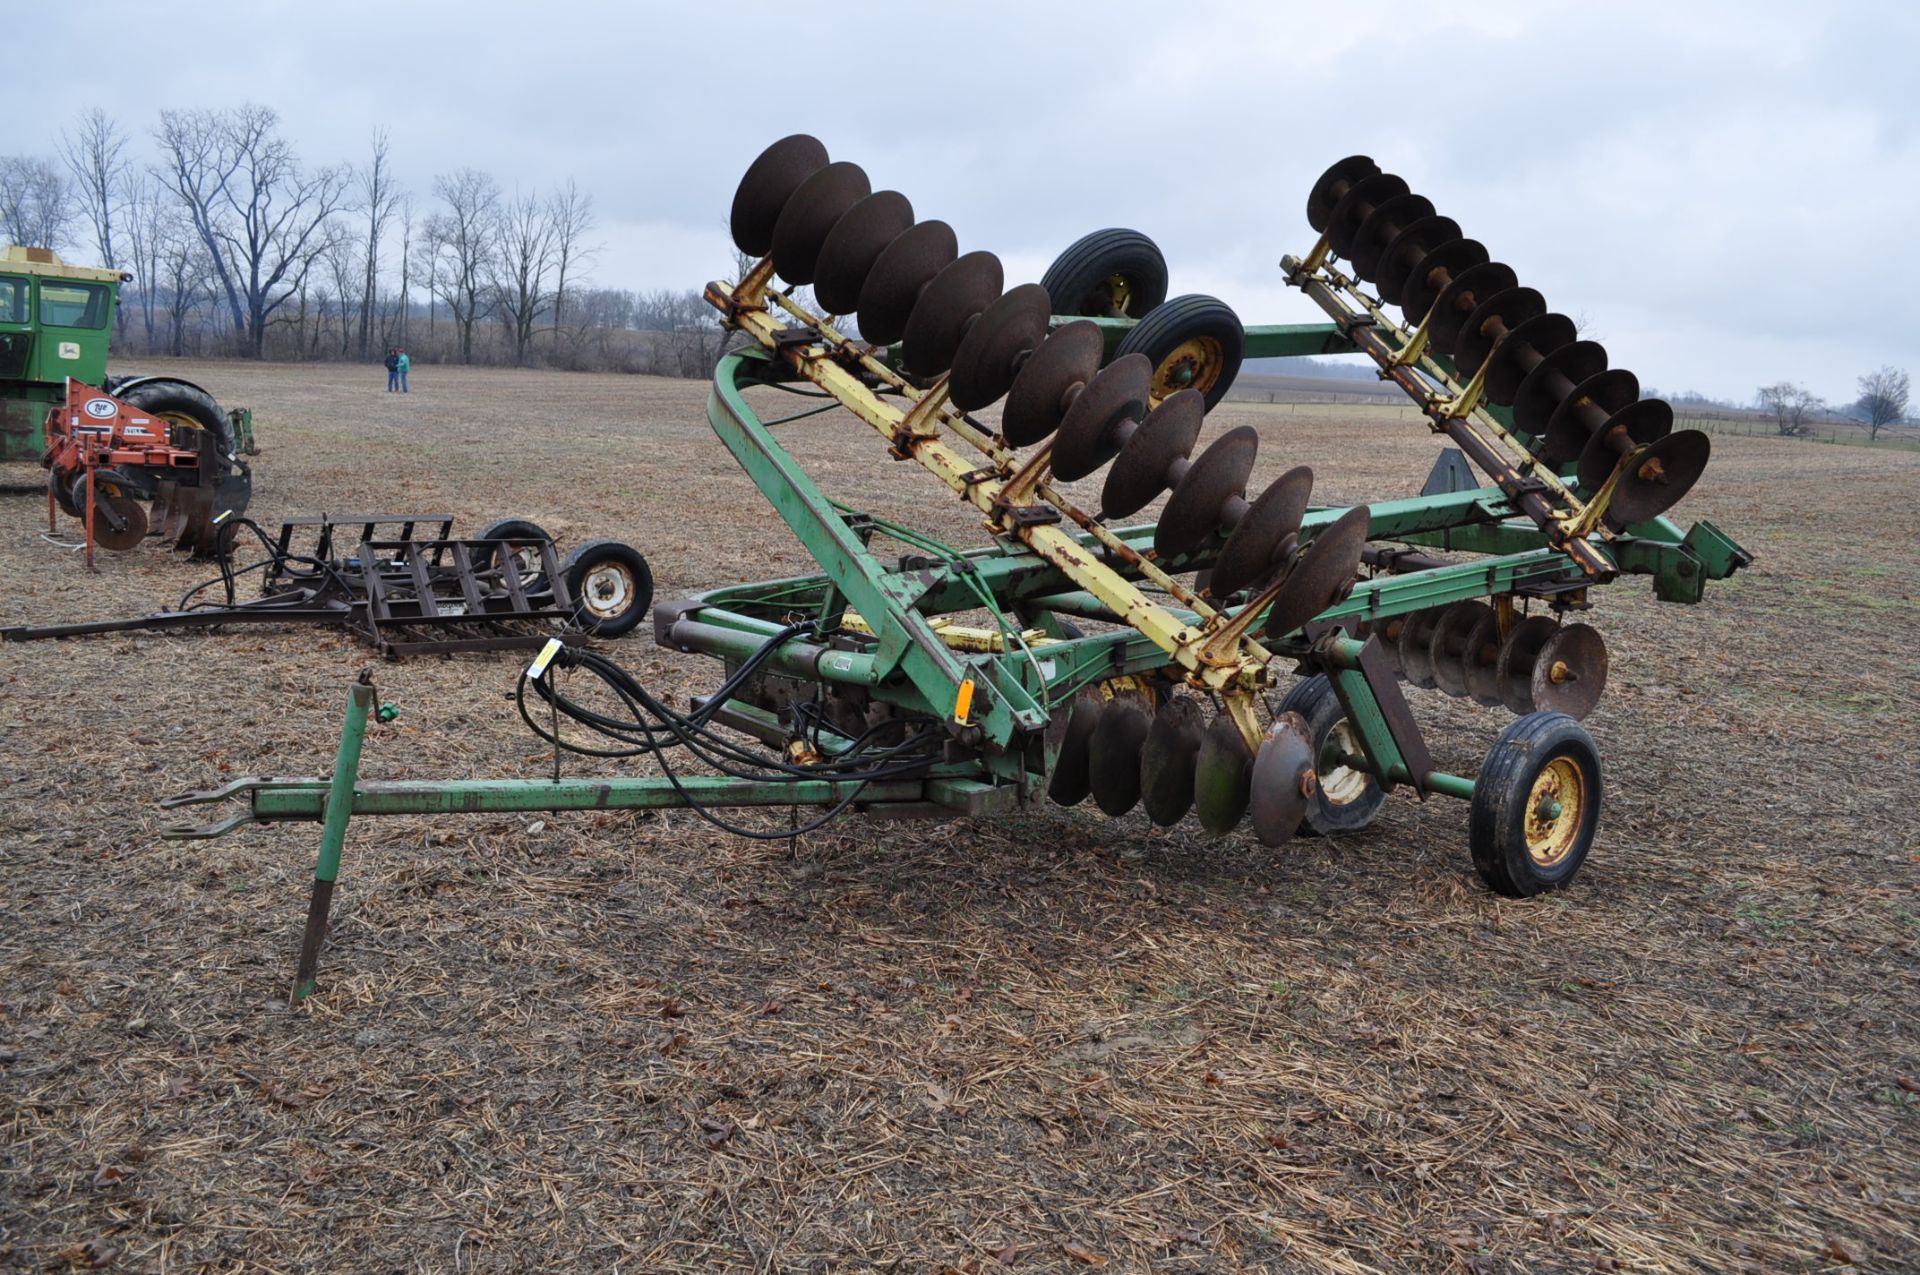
(401, 367)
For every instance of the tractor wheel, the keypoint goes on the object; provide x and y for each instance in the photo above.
(190, 410)
(1194, 342)
(1535, 805)
(63, 494)
(527, 537)
(1109, 274)
(1346, 800)
(612, 586)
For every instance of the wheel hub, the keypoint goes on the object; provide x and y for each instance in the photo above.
(1555, 810)
(606, 590)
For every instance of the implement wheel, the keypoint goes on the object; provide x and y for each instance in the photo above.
(1347, 799)
(1109, 274)
(611, 584)
(1536, 805)
(1194, 343)
(526, 538)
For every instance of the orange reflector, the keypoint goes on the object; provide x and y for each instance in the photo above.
(963, 702)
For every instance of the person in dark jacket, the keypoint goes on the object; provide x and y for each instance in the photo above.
(393, 370)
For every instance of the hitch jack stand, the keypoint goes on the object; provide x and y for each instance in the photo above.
(333, 836)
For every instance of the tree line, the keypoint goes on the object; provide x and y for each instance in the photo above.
(238, 248)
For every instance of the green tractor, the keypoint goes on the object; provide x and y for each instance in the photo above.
(56, 321)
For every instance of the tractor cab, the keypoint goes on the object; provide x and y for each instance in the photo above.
(55, 322)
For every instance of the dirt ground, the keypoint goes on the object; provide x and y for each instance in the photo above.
(1052, 1041)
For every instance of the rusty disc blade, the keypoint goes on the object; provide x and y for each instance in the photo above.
(1408, 249)
(809, 217)
(1659, 476)
(1435, 272)
(1524, 348)
(1414, 647)
(1113, 754)
(989, 354)
(1367, 194)
(1222, 777)
(1254, 550)
(1067, 359)
(854, 244)
(1091, 432)
(1571, 671)
(939, 319)
(1284, 780)
(903, 268)
(1447, 648)
(1551, 382)
(1382, 226)
(1322, 575)
(1643, 421)
(1581, 413)
(1167, 761)
(1217, 476)
(1140, 473)
(769, 182)
(1067, 785)
(119, 522)
(1518, 654)
(1481, 660)
(1507, 309)
(1462, 297)
(1333, 186)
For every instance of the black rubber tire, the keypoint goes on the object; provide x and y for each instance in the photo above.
(190, 401)
(1074, 282)
(1315, 701)
(1184, 319)
(582, 560)
(1497, 830)
(513, 529)
(63, 495)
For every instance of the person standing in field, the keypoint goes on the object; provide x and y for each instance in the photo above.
(402, 366)
(393, 369)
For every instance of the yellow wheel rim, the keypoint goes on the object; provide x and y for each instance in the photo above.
(1193, 365)
(1119, 295)
(1556, 811)
(1341, 783)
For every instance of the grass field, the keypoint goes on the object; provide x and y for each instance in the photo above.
(1049, 1042)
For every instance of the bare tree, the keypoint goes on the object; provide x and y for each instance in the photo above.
(1883, 399)
(378, 197)
(343, 262)
(263, 219)
(523, 256)
(96, 155)
(571, 214)
(406, 265)
(1792, 406)
(146, 210)
(462, 241)
(35, 206)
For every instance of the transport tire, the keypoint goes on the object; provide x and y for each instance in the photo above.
(1535, 806)
(611, 586)
(1194, 342)
(1109, 274)
(526, 554)
(190, 410)
(1346, 800)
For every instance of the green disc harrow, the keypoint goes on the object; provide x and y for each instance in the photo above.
(1241, 660)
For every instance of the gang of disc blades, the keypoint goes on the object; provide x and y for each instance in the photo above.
(769, 182)
(1252, 551)
(1518, 655)
(1218, 475)
(1571, 671)
(1089, 434)
(1447, 649)
(1415, 647)
(904, 266)
(1408, 249)
(1507, 309)
(938, 321)
(1113, 754)
(1354, 207)
(1552, 380)
(1542, 334)
(1643, 421)
(854, 244)
(809, 217)
(1580, 414)
(1434, 273)
(1284, 780)
(1167, 761)
(1222, 777)
(1140, 472)
(984, 365)
(1322, 574)
(1482, 660)
(1661, 475)
(1382, 226)
(1462, 297)
(1067, 358)
(1333, 184)
(1067, 785)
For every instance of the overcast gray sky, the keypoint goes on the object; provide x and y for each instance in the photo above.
(1723, 193)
